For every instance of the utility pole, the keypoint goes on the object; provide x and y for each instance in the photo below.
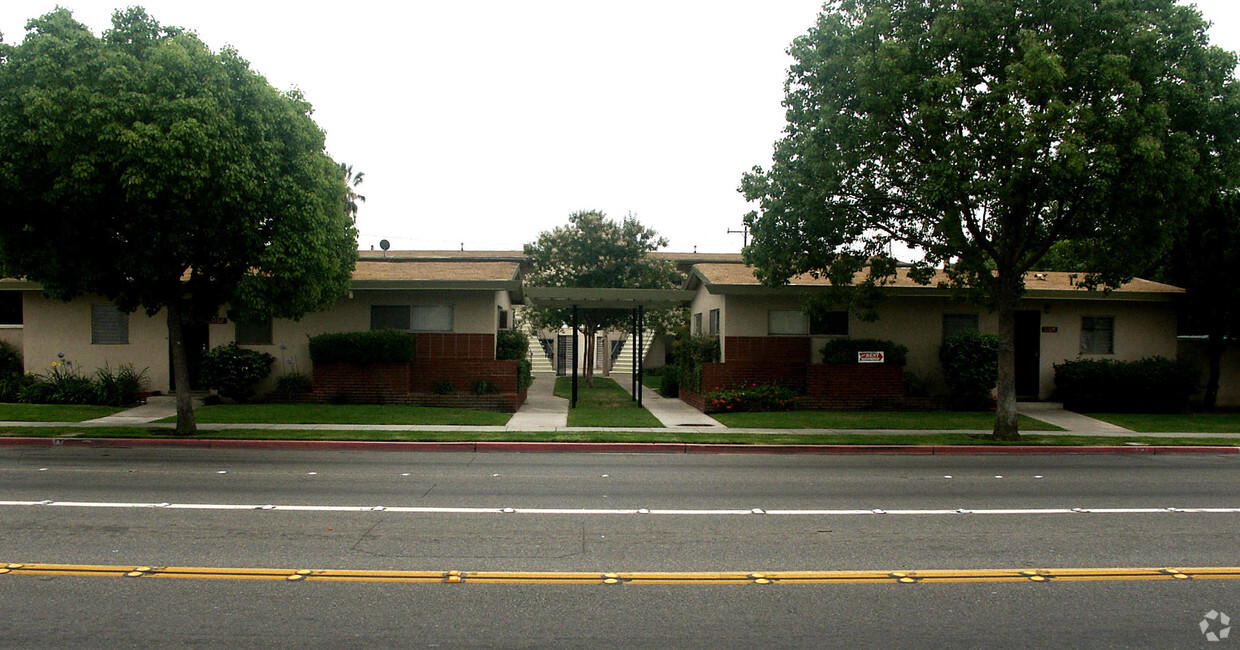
(743, 232)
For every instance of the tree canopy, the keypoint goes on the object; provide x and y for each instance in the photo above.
(593, 251)
(982, 132)
(145, 168)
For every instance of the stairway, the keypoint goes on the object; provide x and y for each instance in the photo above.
(538, 357)
(624, 362)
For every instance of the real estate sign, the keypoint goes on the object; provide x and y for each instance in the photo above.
(870, 357)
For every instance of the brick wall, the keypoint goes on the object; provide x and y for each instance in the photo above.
(461, 359)
(820, 386)
(786, 349)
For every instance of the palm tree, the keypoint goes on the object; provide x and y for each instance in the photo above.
(351, 181)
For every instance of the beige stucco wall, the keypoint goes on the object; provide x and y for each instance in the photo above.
(12, 334)
(1141, 328)
(473, 312)
(53, 327)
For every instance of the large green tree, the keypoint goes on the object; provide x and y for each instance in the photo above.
(593, 251)
(145, 168)
(982, 132)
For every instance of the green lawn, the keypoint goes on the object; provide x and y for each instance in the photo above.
(668, 436)
(604, 405)
(922, 420)
(53, 412)
(343, 414)
(1174, 422)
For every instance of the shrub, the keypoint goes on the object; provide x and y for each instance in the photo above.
(483, 387)
(120, 388)
(234, 371)
(443, 387)
(67, 385)
(12, 386)
(294, 383)
(512, 344)
(669, 383)
(845, 350)
(916, 385)
(758, 397)
(691, 352)
(10, 360)
(971, 368)
(525, 375)
(378, 346)
(1150, 385)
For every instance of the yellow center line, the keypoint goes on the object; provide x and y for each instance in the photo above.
(631, 577)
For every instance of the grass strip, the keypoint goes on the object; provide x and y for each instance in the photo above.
(53, 412)
(605, 404)
(1173, 422)
(343, 414)
(695, 437)
(912, 420)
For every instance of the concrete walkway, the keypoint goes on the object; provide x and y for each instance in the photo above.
(157, 407)
(542, 410)
(1054, 413)
(671, 413)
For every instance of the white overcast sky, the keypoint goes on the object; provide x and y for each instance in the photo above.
(483, 122)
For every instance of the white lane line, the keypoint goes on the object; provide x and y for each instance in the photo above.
(873, 512)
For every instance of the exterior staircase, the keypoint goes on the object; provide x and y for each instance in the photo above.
(541, 362)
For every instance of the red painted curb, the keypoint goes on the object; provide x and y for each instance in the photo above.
(584, 447)
(599, 447)
(921, 450)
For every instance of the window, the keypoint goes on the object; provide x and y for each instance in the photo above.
(108, 325)
(831, 323)
(697, 324)
(252, 333)
(411, 318)
(503, 318)
(389, 317)
(714, 322)
(954, 324)
(1097, 335)
(10, 308)
(786, 322)
(431, 318)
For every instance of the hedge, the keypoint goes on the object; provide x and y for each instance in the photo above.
(690, 353)
(971, 369)
(1150, 385)
(379, 346)
(845, 350)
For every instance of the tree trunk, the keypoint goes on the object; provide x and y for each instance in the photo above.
(180, 372)
(1005, 403)
(1215, 347)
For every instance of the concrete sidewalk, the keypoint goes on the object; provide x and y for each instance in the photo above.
(542, 410)
(157, 407)
(671, 413)
(1054, 413)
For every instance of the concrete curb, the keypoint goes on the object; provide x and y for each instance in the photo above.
(602, 447)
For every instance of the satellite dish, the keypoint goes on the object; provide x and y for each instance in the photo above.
(385, 244)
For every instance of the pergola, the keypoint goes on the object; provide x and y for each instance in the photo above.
(636, 300)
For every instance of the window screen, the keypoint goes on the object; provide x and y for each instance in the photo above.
(431, 318)
(954, 324)
(108, 325)
(831, 323)
(389, 317)
(790, 321)
(714, 322)
(697, 324)
(252, 333)
(1097, 335)
(10, 308)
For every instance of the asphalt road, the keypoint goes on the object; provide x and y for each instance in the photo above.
(444, 511)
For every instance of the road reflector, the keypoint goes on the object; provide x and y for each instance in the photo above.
(611, 581)
(1038, 578)
(295, 577)
(762, 581)
(907, 580)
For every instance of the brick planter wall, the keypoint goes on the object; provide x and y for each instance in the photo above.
(461, 359)
(819, 386)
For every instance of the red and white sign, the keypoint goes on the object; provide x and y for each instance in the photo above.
(871, 357)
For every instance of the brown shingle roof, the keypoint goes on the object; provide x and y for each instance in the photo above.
(740, 275)
(428, 271)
